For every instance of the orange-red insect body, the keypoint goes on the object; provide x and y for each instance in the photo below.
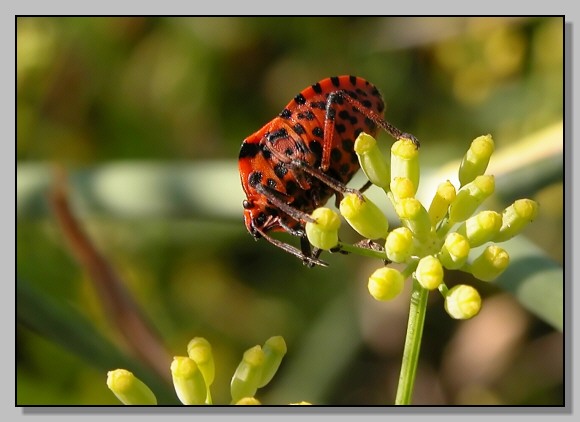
(299, 159)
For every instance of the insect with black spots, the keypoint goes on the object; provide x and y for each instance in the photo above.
(298, 160)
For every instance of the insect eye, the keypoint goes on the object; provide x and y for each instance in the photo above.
(247, 204)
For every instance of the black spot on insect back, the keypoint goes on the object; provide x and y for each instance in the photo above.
(370, 124)
(345, 115)
(299, 99)
(316, 148)
(335, 155)
(285, 114)
(291, 187)
(255, 178)
(308, 115)
(321, 105)
(299, 129)
(352, 94)
(266, 153)
(274, 136)
(348, 145)
(280, 170)
(249, 150)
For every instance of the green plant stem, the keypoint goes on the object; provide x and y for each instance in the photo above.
(417, 312)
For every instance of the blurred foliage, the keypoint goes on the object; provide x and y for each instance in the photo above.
(185, 91)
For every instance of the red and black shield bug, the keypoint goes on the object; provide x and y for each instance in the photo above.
(298, 160)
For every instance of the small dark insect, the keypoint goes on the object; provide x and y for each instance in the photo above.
(298, 160)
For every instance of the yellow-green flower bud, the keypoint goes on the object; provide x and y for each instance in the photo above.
(462, 302)
(476, 159)
(199, 350)
(188, 381)
(480, 228)
(515, 217)
(405, 161)
(248, 374)
(399, 245)
(455, 251)
(414, 216)
(274, 350)
(470, 197)
(444, 196)
(402, 188)
(323, 233)
(490, 264)
(372, 161)
(364, 216)
(129, 389)
(429, 272)
(385, 283)
(248, 401)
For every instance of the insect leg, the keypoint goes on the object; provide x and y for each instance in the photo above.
(307, 250)
(273, 197)
(294, 232)
(337, 97)
(367, 185)
(324, 178)
(309, 260)
(308, 255)
(377, 119)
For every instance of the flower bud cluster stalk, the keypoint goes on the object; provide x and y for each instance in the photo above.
(425, 244)
(431, 239)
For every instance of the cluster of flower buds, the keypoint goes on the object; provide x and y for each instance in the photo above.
(194, 374)
(425, 242)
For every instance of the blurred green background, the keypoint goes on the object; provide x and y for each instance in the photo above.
(147, 116)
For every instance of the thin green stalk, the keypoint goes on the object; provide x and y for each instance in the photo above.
(417, 312)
